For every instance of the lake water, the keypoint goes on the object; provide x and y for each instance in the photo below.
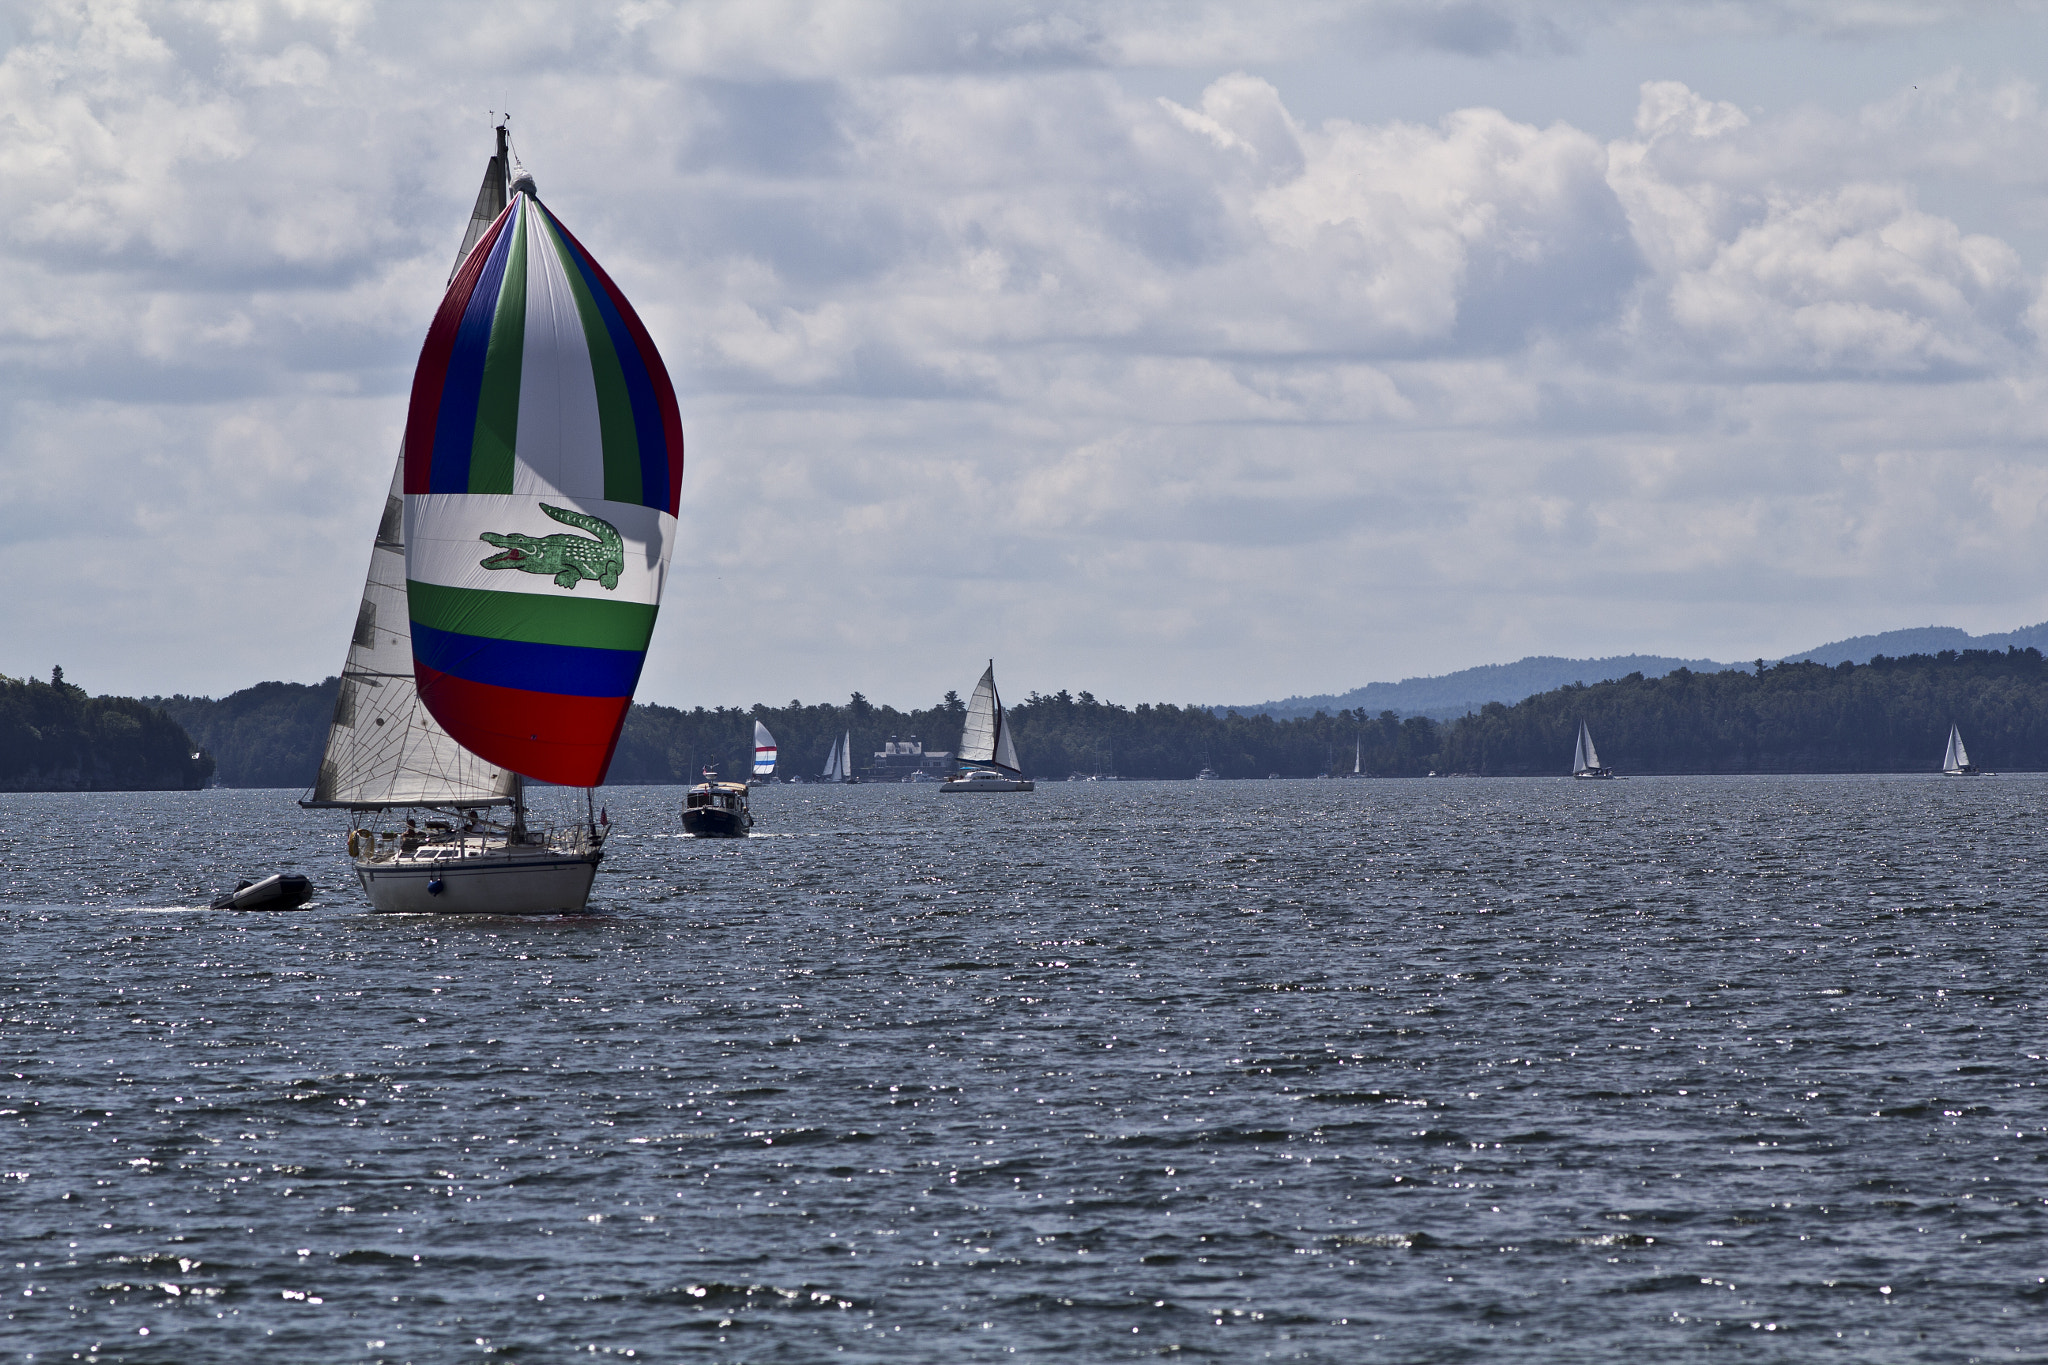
(1456, 1070)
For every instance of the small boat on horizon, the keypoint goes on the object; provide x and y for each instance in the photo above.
(1586, 766)
(1955, 761)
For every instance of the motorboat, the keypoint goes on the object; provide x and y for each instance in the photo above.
(717, 810)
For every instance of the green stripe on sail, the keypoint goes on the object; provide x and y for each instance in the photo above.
(531, 618)
(614, 403)
(497, 406)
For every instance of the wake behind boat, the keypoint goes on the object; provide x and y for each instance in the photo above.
(514, 576)
(987, 754)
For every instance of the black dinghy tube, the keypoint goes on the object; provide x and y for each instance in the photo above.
(278, 891)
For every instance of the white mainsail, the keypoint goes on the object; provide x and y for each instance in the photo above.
(1957, 758)
(383, 749)
(986, 736)
(764, 751)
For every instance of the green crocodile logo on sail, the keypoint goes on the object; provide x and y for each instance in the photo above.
(568, 559)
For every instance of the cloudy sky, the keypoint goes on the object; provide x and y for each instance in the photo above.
(1173, 350)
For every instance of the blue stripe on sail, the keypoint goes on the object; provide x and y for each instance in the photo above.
(653, 437)
(566, 670)
(455, 424)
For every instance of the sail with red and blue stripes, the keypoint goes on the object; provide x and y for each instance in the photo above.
(543, 465)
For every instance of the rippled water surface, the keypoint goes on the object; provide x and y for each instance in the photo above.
(1327, 1071)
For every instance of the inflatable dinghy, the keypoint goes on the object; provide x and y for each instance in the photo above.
(278, 891)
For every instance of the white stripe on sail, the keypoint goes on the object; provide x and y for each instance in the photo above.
(453, 552)
(561, 444)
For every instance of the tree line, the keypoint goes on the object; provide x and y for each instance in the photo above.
(55, 738)
(1890, 715)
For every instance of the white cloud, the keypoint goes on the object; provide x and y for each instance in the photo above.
(985, 347)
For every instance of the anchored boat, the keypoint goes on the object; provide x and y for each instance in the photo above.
(514, 576)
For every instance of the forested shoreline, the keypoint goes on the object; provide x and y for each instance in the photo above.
(1889, 715)
(55, 738)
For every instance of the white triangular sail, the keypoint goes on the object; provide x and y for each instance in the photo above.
(978, 736)
(1957, 758)
(832, 763)
(383, 749)
(846, 756)
(1592, 754)
(1358, 759)
(1006, 748)
(764, 751)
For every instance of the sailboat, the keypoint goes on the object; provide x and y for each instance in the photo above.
(1586, 759)
(764, 753)
(839, 763)
(1956, 761)
(987, 753)
(514, 577)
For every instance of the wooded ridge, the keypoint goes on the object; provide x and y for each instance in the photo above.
(54, 738)
(1889, 715)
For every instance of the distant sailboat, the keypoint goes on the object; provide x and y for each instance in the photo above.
(764, 753)
(987, 752)
(1956, 761)
(1586, 759)
(839, 763)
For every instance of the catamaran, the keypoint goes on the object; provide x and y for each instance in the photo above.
(987, 754)
(764, 753)
(1586, 760)
(1956, 761)
(514, 576)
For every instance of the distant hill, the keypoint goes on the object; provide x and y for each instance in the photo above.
(1451, 695)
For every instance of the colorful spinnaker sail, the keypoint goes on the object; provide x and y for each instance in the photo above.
(764, 751)
(543, 464)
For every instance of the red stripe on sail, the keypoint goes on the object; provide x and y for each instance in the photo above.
(544, 735)
(657, 373)
(424, 412)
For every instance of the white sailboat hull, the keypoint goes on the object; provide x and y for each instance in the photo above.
(527, 882)
(986, 782)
